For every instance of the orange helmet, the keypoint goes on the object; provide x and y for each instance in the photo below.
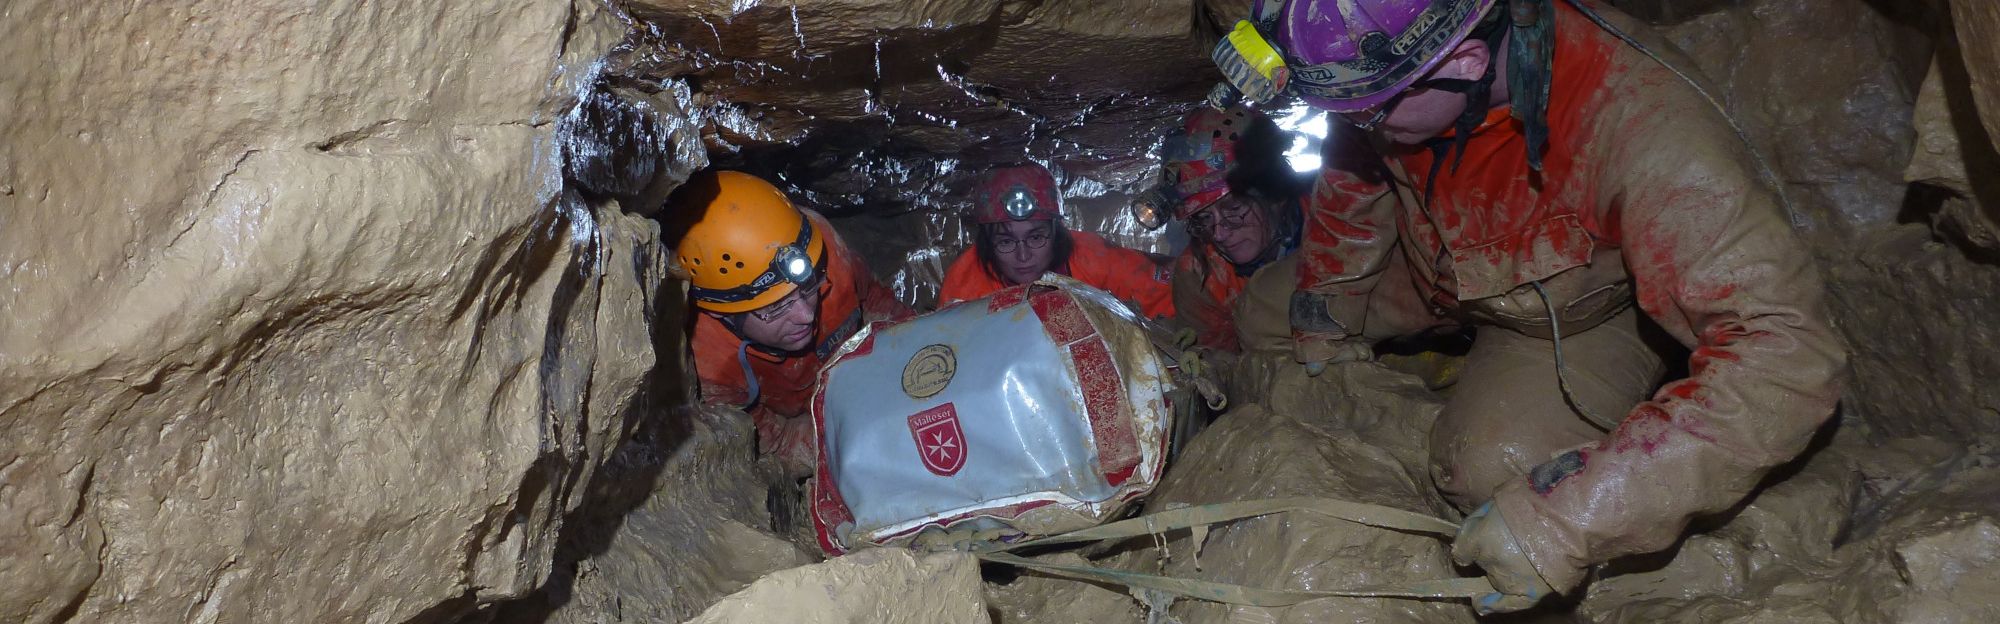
(747, 246)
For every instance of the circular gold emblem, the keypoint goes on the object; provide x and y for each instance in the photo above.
(929, 371)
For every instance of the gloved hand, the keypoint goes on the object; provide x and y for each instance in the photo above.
(1484, 540)
(1338, 351)
(1199, 372)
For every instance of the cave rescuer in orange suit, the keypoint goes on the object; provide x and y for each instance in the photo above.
(1019, 235)
(778, 292)
(1550, 203)
(1234, 234)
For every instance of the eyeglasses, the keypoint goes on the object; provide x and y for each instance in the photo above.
(1231, 214)
(1035, 240)
(809, 293)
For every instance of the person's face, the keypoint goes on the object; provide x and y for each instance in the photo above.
(1423, 113)
(1023, 250)
(1235, 227)
(787, 324)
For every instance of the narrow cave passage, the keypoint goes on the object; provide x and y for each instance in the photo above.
(382, 312)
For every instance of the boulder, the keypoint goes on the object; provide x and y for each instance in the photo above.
(881, 585)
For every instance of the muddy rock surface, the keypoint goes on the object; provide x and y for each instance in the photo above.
(885, 585)
(1034, 598)
(303, 321)
(1916, 542)
(1979, 23)
(627, 558)
(351, 312)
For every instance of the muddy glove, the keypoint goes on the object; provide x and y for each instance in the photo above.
(1343, 351)
(1198, 371)
(1484, 540)
(1318, 338)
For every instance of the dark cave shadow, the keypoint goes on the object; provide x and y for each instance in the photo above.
(653, 428)
(1923, 203)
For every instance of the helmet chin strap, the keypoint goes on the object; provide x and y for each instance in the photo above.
(1478, 99)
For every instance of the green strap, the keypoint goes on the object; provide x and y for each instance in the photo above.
(1205, 515)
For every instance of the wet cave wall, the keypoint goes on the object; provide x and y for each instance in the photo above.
(301, 318)
(355, 312)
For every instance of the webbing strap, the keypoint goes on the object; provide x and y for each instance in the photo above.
(1205, 515)
(1249, 596)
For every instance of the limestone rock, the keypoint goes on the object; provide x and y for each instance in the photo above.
(1954, 575)
(883, 585)
(1033, 598)
(667, 536)
(1979, 24)
(303, 323)
(1824, 119)
(1938, 158)
(1929, 556)
(1951, 145)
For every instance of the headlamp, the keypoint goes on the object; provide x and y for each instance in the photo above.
(1251, 63)
(1149, 209)
(792, 265)
(1019, 202)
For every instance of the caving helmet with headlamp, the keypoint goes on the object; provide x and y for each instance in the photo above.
(748, 247)
(1197, 158)
(1344, 56)
(1023, 193)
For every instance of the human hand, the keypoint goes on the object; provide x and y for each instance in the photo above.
(1486, 541)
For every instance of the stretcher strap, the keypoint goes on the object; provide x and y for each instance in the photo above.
(1205, 515)
(1249, 596)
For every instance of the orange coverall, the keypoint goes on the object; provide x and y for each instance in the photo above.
(1647, 199)
(1205, 287)
(785, 383)
(1127, 274)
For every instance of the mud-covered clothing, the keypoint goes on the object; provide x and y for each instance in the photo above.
(1646, 197)
(1127, 274)
(784, 383)
(1205, 286)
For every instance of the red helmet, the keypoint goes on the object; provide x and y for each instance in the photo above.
(1024, 193)
(1197, 160)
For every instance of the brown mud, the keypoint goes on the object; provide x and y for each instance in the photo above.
(354, 312)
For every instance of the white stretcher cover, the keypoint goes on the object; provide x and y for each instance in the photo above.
(1040, 409)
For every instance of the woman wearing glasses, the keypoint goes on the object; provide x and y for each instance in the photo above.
(1020, 236)
(778, 291)
(1235, 234)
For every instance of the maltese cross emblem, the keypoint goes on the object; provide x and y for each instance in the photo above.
(940, 441)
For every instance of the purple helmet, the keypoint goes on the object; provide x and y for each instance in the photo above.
(1352, 55)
